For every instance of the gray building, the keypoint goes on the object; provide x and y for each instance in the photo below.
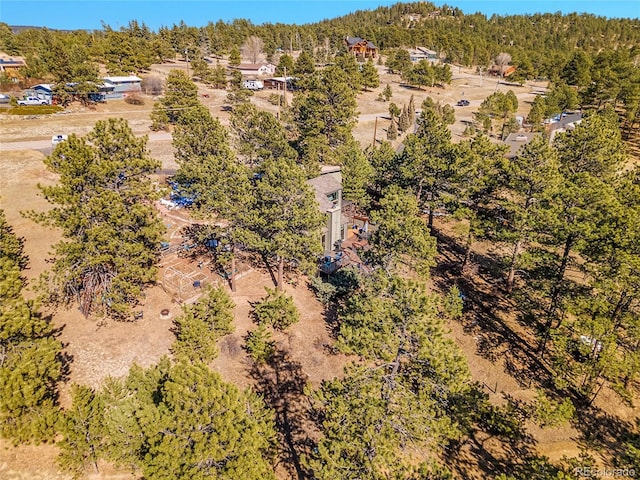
(328, 189)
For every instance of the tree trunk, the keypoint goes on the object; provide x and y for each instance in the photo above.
(280, 273)
(511, 277)
(233, 269)
(555, 292)
(467, 250)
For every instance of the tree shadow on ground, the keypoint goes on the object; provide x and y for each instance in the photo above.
(602, 431)
(281, 381)
(497, 443)
(485, 309)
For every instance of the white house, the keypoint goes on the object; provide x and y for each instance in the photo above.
(124, 84)
(421, 53)
(256, 69)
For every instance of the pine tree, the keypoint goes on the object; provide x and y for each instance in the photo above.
(474, 185)
(402, 237)
(429, 162)
(180, 96)
(532, 178)
(387, 92)
(217, 430)
(398, 61)
(304, 65)
(404, 122)
(405, 395)
(392, 131)
(411, 109)
(259, 136)
(234, 56)
(83, 430)
(219, 77)
(201, 70)
(370, 77)
(276, 310)
(211, 173)
(201, 325)
(103, 205)
(324, 114)
(260, 345)
(285, 64)
(31, 363)
(357, 173)
(285, 221)
(590, 158)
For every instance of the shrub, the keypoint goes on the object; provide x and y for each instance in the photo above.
(260, 345)
(134, 99)
(324, 291)
(276, 309)
(275, 99)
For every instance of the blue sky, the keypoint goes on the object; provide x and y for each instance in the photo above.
(88, 14)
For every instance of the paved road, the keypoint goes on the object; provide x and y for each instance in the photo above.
(45, 145)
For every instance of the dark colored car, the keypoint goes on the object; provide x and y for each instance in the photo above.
(463, 103)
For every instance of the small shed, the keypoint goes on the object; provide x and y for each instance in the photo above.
(278, 83)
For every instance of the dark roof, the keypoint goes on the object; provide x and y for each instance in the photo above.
(11, 62)
(354, 40)
(326, 184)
(515, 141)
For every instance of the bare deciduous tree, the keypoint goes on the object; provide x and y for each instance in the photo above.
(252, 48)
(152, 85)
(502, 60)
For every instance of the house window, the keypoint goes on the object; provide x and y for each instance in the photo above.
(333, 197)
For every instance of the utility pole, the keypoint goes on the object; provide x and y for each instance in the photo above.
(285, 87)
(186, 54)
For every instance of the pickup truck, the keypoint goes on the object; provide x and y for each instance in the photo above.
(33, 101)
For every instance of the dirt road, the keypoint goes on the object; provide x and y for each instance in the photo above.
(44, 145)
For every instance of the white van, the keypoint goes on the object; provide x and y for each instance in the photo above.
(56, 139)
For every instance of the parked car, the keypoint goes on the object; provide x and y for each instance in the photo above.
(56, 139)
(463, 103)
(34, 101)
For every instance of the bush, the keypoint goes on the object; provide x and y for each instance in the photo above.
(324, 291)
(276, 309)
(260, 345)
(276, 99)
(134, 99)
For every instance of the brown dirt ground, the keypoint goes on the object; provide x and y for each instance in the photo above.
(107, 348)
